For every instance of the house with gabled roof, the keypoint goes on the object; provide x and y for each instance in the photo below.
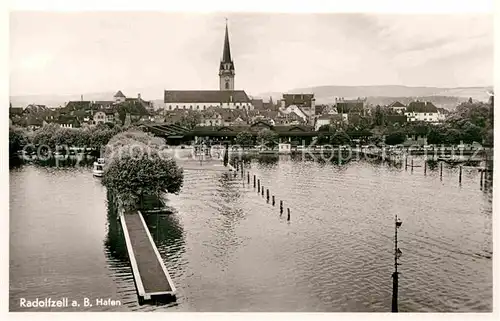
(397, 107)
(422, 111)
(119, 97)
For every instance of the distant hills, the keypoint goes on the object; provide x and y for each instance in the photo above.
(382, 95)
(57, 100)
(447, 98)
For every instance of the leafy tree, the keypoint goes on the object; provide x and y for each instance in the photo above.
(437, 135)
(395, 138)
(324, 128)
(45, 135)
(471, 133)
(244, 139)
(132, 173)
(268, 137)
(340, 138)
(379, 116)
(17, 139)
(453, 136)
(323, 138)
(190, 120)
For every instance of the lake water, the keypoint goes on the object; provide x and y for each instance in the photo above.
(228, 250)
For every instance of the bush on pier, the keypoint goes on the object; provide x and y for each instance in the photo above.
(135, 167)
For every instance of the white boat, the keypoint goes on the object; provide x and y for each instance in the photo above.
(98, 169)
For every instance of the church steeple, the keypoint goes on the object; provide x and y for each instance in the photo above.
(226, 56)
(226, 69)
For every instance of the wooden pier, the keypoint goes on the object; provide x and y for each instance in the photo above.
(151, 277)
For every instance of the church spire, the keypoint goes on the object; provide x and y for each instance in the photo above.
(226, 69)
(226, 55)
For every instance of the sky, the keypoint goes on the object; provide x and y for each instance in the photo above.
(85, 52)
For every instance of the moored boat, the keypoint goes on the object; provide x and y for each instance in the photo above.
(98, 169)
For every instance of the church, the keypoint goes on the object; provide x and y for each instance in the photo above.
(225, 97)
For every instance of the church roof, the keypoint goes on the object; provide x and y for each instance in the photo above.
(119, 94)
(205, 96)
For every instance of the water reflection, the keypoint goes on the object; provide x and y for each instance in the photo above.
(167, 234)
(116, 248)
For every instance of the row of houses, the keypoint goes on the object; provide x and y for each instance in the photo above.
(83, 112)
(223, 108)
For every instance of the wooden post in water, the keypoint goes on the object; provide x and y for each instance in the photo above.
(253, 181)
(482, 173)
(412, 165)
(406, 163)
(425, 167)
(248, 178)
(395, 275)
(273, 200)
(460, 175)
(441, 171)
(258, 185)
(267, 194)
(288, 216)
(281, 207)
(262, 191)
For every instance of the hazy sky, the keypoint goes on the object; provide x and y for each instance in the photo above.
(70, 53)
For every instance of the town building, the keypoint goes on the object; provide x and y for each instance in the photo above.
(397, 107)
(304, 105)
(225, 97)
(203, 99)
(322, 120)
(351, 106)
(119, 97)
(422, 111)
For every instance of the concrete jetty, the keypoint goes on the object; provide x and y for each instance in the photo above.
(151, 277)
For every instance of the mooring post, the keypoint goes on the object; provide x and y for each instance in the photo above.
(262, 191)
(281, 207)
(406, 163)
(267, 194)
(425, 167)
(441, 171)
(460, 175)
(273, 200)
(248, 178)
(395, 275)
(412, 165)
(258, 185)
(481, 183)
(288, 216)
(253, 181)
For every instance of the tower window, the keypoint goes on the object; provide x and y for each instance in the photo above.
(227, 85)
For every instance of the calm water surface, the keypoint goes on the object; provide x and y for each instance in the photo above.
(228, 250)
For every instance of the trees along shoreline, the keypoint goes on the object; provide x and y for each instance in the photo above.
(53, 138)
